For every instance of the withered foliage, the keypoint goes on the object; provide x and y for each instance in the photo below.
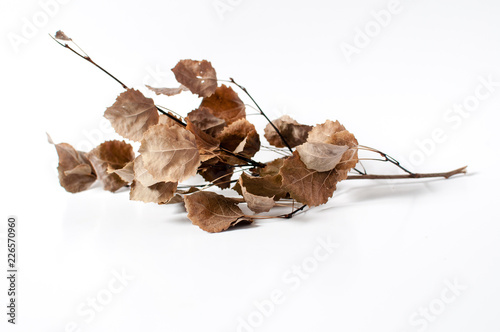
(217, 142)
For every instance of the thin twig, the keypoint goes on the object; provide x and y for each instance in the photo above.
(87, 58)
(262, 112)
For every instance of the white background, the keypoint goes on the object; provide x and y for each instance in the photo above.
(400, 243)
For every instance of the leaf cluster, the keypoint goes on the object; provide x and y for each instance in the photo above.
(216, 141)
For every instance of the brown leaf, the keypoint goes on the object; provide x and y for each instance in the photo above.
(321, 133)
(198, 76)
(321, 157)
(170, 154)
(334, 133)
(293, 132)
(206, 143)
(132, 114)
(217, 172)
(206, 121)
(159, 193)
(268, 185)
(62, 36)
(75, 171)
(350, 157)
(308, 186)
(256, 203)
(141, 174)
(240, 137)
(168, 91)
(113, 154)
(126, 173)
(225, 104)
(212, 212)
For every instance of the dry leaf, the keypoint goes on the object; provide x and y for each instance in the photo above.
(206, 143)
(75, 171)
(321, 157)
(126, 173)
(272, 168)
(225, 104)
(217, 172)
(132, 114)
(240, 137)
(112, 154)
(206, 121)
(308, 186)
(256, 203)
(293, 132)
(168, 91)
(159, 193)
(212, 212)
(268, 186)
(62, 36)
(198, 76)
(141, 174)
(321, 133)
(350, 157)
(170, 154)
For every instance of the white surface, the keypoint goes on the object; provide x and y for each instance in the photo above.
(400, 243)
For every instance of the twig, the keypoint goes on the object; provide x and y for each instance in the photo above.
(262, 112)
(446, 175)
(86, 57)
(291, 214)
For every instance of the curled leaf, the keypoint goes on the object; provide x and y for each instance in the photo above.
(321, 157)
(308, 186)
(225, 104)
(170, 154)
(206, 121)
(126, 173)
(256, 203)
(350, 157)
(132, 114)
(212, 212)
(267, 186)
(113, 155)
(168, 91)
(293, 132)
(76, 174)
(198, 76)
(159, 193)
(240, 137)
